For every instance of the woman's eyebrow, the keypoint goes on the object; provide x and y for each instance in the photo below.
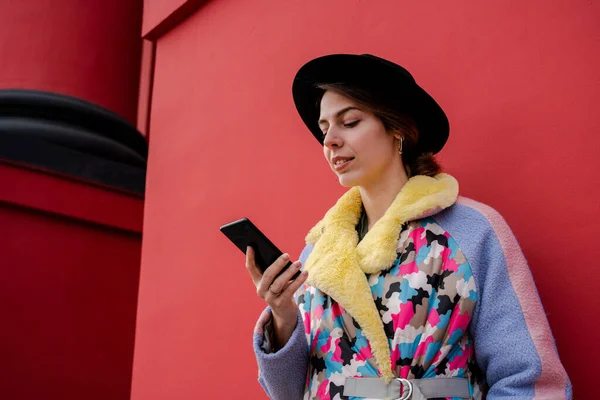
(340, 113)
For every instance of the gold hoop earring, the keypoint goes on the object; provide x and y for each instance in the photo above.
(401, 145)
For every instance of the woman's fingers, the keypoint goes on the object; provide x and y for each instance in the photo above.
(269, 275)
(282, 281)
(283, 303)
(277, 291)
(295, 285)
(251, 266)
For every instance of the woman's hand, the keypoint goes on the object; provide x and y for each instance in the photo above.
(278, 292)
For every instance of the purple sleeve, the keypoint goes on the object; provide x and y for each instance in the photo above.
(513, 343)
(282, 374)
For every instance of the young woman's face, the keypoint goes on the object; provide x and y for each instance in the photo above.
(356, 144)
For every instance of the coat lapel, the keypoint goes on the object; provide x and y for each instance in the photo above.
(338, 263)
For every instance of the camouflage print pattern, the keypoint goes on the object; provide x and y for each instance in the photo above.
(425, 300)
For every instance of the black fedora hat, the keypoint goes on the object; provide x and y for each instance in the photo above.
(390, 83)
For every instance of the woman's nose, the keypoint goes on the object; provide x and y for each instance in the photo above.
(332, 139)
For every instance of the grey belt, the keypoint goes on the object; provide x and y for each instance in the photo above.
(403, 389)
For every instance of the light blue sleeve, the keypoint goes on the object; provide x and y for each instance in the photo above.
(283, 374)
(514, 346)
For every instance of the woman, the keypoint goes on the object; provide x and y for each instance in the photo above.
(407, 291)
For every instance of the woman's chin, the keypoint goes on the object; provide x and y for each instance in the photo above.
(347, 180)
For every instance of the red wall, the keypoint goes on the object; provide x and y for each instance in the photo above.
(157, 11)
(86, 49)
(521, 89)
(69, 273)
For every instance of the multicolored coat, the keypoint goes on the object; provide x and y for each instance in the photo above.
(437, 288)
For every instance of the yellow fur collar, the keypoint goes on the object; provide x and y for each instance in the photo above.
(338, 263)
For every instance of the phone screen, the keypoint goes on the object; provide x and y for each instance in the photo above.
(244, 233)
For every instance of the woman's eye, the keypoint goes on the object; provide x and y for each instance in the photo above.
(351, 124)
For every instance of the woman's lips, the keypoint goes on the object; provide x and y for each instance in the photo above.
(342, 165)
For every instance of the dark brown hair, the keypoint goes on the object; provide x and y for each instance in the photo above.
(415, 162)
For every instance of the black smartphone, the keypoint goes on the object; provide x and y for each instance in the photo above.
(244, 233)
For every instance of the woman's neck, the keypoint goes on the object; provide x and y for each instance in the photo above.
(378, 197)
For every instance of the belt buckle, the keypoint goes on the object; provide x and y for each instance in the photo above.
(406, 388)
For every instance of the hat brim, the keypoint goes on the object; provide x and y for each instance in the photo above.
(391, 83)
